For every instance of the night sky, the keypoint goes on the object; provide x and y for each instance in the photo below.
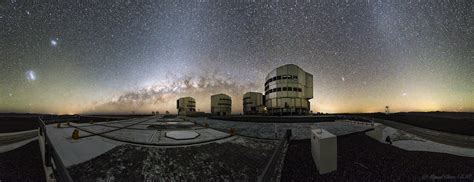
(124, 56)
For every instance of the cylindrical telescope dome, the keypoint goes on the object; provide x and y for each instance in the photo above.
(288, 90)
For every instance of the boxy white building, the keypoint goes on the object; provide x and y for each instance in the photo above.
(253, 103)
(186, 106)
(221, 104)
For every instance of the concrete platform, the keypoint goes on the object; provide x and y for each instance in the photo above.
(99, 138)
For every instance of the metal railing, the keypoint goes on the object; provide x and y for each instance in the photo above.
(272, 171)
(51, 157)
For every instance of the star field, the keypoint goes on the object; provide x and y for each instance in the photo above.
(123, 56)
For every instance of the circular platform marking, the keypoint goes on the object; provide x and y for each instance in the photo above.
(182, 135)
(171, 125)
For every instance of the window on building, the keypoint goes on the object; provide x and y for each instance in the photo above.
(278, 89)
(299, 90)
(285, 88)
(295, 77)
(274, 78)
(278, 77)
(268, 81)
(295, 89)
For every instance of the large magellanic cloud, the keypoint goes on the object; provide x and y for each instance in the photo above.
(162, 95)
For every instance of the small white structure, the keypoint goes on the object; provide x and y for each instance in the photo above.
(324, 150)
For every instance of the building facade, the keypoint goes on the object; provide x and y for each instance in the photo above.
(221, 105)
(253, 103)
(186, 106)
(288, 90)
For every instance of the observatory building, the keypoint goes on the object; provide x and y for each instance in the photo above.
(288, 89)
(221, 104)
(186, 106)
(253, 103)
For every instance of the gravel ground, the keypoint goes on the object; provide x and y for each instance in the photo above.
(238, 159)
(22, 164)
(361, 158)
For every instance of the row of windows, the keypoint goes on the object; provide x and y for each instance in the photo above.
(279, 89)
(223, 104)
(189, 105)
(284, 77)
